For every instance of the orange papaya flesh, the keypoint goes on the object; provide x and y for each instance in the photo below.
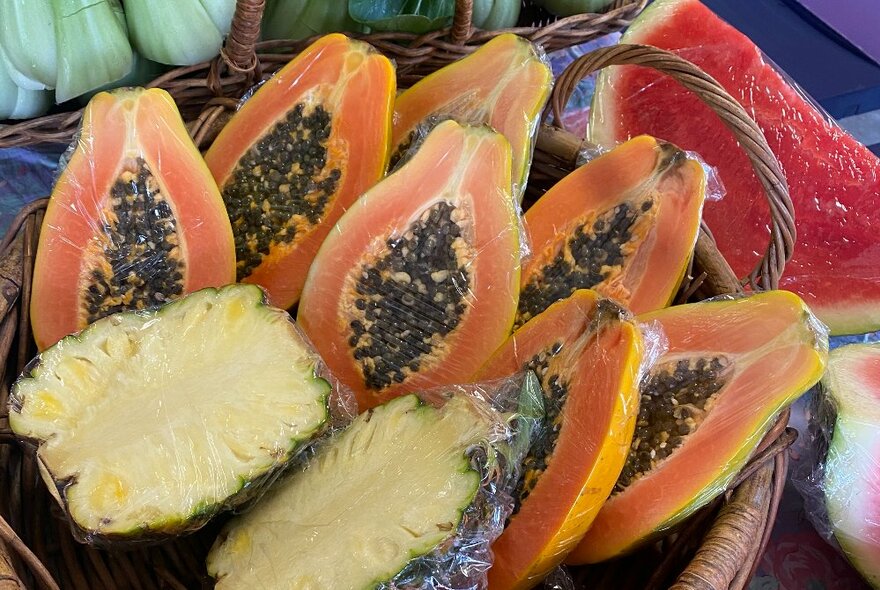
(505, 84)
(416, 284)
(623, 224)
(298, 153)
(587, 357)
(731, 366)
(134, 220)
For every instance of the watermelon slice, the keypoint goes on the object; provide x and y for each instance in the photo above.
(834, 180)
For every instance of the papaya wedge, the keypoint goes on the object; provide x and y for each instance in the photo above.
(298, 153)
(587, 356)
(624, 224)
(134, 220)
(416, 285)
(730, 366)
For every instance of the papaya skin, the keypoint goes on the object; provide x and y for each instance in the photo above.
(777, 350)
(468, 167)
(116, 128)
(602, 367)
(356, 85)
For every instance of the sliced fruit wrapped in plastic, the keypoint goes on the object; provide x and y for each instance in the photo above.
(416, 285)
(134, 219)
(842, 483)
(623, 224)
(588, 356)
(729, 367)
(504, 84)
(148, 423)
(410, 495)
(298, 153)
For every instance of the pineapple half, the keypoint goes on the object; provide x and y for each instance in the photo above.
(148, 423)
(390, 488)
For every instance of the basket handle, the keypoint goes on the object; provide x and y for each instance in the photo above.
(240, 50)
(783, 236)
(461, 21)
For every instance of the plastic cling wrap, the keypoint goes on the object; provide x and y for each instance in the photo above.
(148, 423)
(416, 285)
(623, 224)
(589, 356)
(504, 84)
(841, 483)
(409, 496)
(730, 366)
(135, 219)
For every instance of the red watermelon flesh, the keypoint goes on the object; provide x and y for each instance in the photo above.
(834, 180)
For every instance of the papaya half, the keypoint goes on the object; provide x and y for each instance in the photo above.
(298, 153)
(416, 284)
(505, 84)
(624, 224)
(729, 368)
(587, 356)
(134, 220)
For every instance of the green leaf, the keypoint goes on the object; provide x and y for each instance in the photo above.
(411, 16)
(300, 19)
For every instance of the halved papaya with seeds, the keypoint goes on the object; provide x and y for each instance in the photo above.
(416, 285)
(730, 367)
(587, 356)
(134, 220)
(505, 84)
(623, 224)
(298, 153)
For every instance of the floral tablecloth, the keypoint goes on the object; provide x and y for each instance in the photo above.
(797, 557)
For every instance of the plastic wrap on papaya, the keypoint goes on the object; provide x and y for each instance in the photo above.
(417, 284)
(134, 219)
(623, 224)
(148, 423)
(410, 495)
(504, 84)
(588, 355)
(730, 366)
(298, 153)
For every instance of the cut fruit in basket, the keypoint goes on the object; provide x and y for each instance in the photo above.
(148, 423)
(623, 224)
(298, 153)
(392, 487)
(730, 367)
(587, 357)
(134, 220)
(834, 180)
(416, 286)
(504, 84)
(851, 478)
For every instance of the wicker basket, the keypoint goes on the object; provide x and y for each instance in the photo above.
(238, 66)
(718, 548)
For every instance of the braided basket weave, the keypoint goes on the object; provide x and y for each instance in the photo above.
(716, 549)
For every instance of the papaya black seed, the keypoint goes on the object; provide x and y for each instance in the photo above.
(281, 181)
(400, 313)
(138, 266)
(674, 396)
(584, 254)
